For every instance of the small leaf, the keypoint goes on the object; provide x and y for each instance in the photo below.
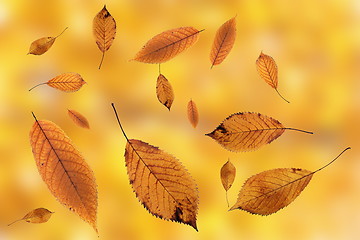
(268, 71)
(167, 45)
(227, 175)
(164, 91)
(67, 82)
(42, 45)
(78, 119)
(269, 191)
(248, 131)
(38, 215)
(193, 114)
(64, 170)
(104, 30)
(223, 42)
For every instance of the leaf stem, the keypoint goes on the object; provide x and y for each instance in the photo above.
(61, 32)
(102, 59)
(299, 130)
(227, 200)
(37, 86)
(159, 69)
(15, 221)
(281, 95)
(118, 119)
(332, 160)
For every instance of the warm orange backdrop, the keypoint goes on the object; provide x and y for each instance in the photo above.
(316, 45)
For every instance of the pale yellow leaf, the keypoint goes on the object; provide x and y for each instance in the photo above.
(42, 45)
(38, 215)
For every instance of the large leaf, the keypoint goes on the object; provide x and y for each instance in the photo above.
(67, 82)
(42, 45)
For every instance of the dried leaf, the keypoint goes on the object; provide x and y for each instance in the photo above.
(42, 45)
(193, 114)
(160, 182)
(38, 215)
(223, 42)
(78, 119)
(268, 71)
(67, 82)
(104, 30)
(64, 170)
(227, 175)
(248, 131)
(167, 45)
(269, 191)
(164, 91)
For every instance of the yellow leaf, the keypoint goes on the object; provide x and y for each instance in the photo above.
(164, 91)
(248, 131)
(227, 175)
(223, 42)
(67, 82)
(38, 215)
(104, 30)
(192, 113)
(64, 170)
(167, 45)
(42, 45)
(78, 119)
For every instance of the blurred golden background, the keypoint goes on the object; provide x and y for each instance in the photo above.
(316, 45)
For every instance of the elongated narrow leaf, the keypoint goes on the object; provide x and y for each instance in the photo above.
(223, 42)
(248, 131)
(192, 113)
(164, 91)
(104, 30)
(38, 215)
(78, 119)
(42, 45)
(64, 170)
(167, 45)
(268, 71)
(67, 82)
(227, 175)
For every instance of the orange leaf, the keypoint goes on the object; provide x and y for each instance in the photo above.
(42, 45)
(193, 114)
(64, 170)
(104, 30)
(78, 119)
(248, 131)
(167, 45)
(164, 91)
(67, 82)
(38, 215)
(227, 175)
(268, 71)
(223, 42)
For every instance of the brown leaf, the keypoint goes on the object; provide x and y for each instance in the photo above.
(67, 82)
(78, 119)
(38, 215)
(164, 91)
(167, 45)
(64, 170)
(104, 30)
(223, 42)
(248, 131)
(269, 191)
(42, 45)
(193, 114)
(227, 175)
(268, 71)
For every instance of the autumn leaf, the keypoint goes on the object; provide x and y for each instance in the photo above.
(64, 170)
(268, 71)
(42, 45)
(78, 119)
(164, 91)
(104, 30)
(192, 113)
(160, 182)
(227, 175)
(269, 191)
(167, 45)
(67, 82)
(223, 42)
(248, 131)
(38, 215)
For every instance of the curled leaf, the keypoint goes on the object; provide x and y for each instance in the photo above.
(104, 30)
(67, 82)
(164, 91)
(268, 71)
(223, 42)
(38, 215)
(42, 45)
(64, 170)
(192, 113)
(248, 131)
(167, 45)
(78, 119)
(227, 175)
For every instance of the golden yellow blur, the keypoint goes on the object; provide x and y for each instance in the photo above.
(316, 45)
